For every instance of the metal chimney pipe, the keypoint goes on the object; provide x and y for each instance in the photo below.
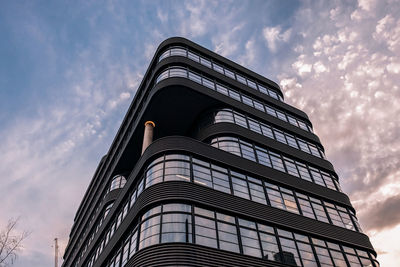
(148, 134)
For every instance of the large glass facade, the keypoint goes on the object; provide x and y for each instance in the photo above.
(231, 116)
(209, 63)
(234, 94)
(172, 222)
(179, 167)
(276, 161)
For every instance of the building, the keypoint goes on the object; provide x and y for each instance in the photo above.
(211, 167)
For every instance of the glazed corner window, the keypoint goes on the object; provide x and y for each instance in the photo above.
(118, 181)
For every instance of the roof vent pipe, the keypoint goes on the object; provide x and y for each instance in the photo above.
(148, 134)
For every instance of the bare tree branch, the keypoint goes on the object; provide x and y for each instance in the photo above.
(10, 243)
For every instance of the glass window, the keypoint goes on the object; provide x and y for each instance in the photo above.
(221, 181)
(222, 89)
(250, 242)
(335, 217)
(280, 136)
(246, 100)
(176, 227)
(270, 111)
(176, 207)
(258, 105)
(303, 146)
(133, 243)
(164, 55)
(317, 177)
(338, 258)
(247, 151)
(252, 84)
(125, 253)
(290, 203)
(149, 232)
(302, 125)
(240, 120)
(208, 83)
(117, 181)
(227, 236)
(231, 147)
(204, 212)
(225, 218)
(273, 94)
(257, 193)
(289, 252)
(291, 167)
(304, 174)
(247, 223)
(205, 232)
(291, 141)
(254, 126)
(267, 131)
(269, 246)
(353, 260)
(194, 77)
(292, 121)
(234, 95)
(263, 89)
(240, 188)
(306, 209)
(177, 72)
(323, 256)
(154, 174)
(193, 56)
(177, 171)
(276, 161)
(230, 74)
(178, 52)
(241, 79)
(328, 181)
(151, 212)
(320, 212)
(306, 254)
(202, 175)
(205, 62)
(281, 115)
(263, 157)
(314, 150)
(275, 198)
(218, 68)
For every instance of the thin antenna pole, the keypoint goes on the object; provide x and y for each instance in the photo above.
(56, 252)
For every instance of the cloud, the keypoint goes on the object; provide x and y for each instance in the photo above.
(344, 75)
(382, 215)
(274, 37)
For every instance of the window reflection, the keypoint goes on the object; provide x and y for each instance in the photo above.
(223, 89)
(173, 223)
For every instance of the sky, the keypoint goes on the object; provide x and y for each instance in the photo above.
(69, 70)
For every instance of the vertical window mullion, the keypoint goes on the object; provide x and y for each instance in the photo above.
(298, 250)
(191, 169)
(266, 194)
(259, 241)
(193, 224)
(216, 229)
(278, 242)
(297, 203)
(230, 181)
(315, 251)
(239, 235)
(161, 223)
(327, 213)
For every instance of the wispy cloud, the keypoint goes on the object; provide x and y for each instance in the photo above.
(274, 36)
(343, 74)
